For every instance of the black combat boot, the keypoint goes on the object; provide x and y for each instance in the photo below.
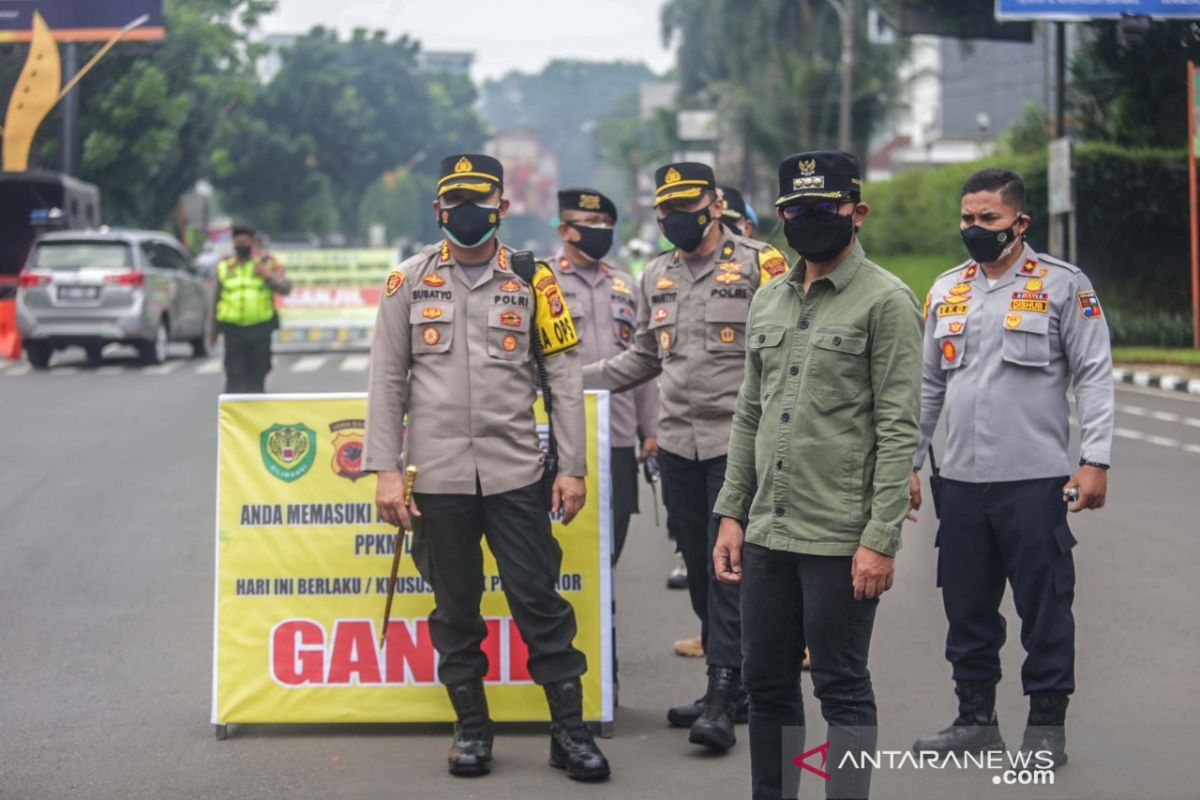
(471, 753)
(976, 728)
(571, 744)
(714, 727)
(683, 716)
(1046, 731)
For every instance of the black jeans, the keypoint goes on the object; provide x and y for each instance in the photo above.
(694, 485)
(790, 601)
(247, 357)
(446, 551)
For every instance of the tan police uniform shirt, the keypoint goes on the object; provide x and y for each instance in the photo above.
(457, 359)
(692, 329)
(603, 303)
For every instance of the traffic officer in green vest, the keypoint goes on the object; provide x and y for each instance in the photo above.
(244, 311)
(691, 328)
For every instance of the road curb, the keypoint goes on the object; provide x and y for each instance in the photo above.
(1169, 383)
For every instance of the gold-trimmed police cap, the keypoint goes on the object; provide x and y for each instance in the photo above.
(470, 172)
(684, 180)
(586, 200)
(824, 174)
(735, 204)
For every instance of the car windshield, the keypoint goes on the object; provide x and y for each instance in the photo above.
(82, 254)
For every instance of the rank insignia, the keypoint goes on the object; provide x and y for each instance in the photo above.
(510, 286)
(957, 327)
(445, 254)
(970, 272)
(510, 319)
(729, 277)
(431, 312)
(960, 289)
(395, 280)
(949, 351)
(1043, 272)
(664, 283)
(502, 255)
(433, 280)
(509, 344)
(952, 310)
(589, 202)
(1033, 285)
(664, 340)
(729, 266)
(431, 335)
(1012, 321)
(1089, 305)
(728, 334)
(952, 300)
(619, 285)
(727, 250)
(1029, 267)
(661, 313)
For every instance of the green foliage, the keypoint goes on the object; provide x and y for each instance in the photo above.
(1148, 327)
(1157, 355)
(399, 201)
(1030, 134)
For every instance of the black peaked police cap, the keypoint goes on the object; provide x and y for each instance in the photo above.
(470, 172)
(686, 179)
(586, 200)
(825, 174)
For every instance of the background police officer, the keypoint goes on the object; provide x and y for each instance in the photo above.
(603, 302)
(244, 312)
(691, 327)
(737, 216)
(1005, 334)
(453, 351)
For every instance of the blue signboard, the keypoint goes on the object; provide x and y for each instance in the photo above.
(1094, 9)
(81, 20)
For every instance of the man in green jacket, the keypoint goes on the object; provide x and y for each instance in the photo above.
(817, 483)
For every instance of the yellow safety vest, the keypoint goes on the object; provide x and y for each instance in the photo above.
(246, 299)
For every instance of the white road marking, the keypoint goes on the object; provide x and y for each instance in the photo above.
(1160, 416)
(309, 364)
(17, 371)
(165, 368)
(356, 363)
(210, 367)
(110, 370)
(64, 370)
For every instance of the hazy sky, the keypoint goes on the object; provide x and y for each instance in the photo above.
(503, 34)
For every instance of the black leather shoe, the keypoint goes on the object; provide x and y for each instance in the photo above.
(572, 747)
(714, 728)
(975, 729)
(1044, 745)
(471, 752)
(683, 716)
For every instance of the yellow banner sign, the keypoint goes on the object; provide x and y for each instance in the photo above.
(302, 573)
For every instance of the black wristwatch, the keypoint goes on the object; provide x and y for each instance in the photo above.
(1096, 464)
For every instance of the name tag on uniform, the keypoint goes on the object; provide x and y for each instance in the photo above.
(1030, 301)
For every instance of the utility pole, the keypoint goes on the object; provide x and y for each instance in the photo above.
(67, 143)
(845, 12)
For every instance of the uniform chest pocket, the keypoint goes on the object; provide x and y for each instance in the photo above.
(663, 324)
(432, 328)
(508, 334)
(624, 319)
(725, 325)
(1026, 339)
(764, 342)
(837, 365)
(951, 338)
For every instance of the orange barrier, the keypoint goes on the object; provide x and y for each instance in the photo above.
(10, 339)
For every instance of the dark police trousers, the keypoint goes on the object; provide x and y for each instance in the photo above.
(447, 551)
(624, 470)
(694, 486)
(791, 601)
(1015, 532)
(247, 357)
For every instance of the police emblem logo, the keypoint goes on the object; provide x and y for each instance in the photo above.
(445, 217)
(960, 289)
(563, 263)
(1012, 321)
(775, 266)
(1089, 305)
(672, 176)
(509, 344)
(492, 218)
(664, 283)
(1033, 285)
(463, 165)
(728, 334)
(1043, 272)
(556, 304)
(395, 280)
(957, 327)
(661, 313)
(949, 351)
(807, 167)
(431, 312)
(433, 280)
(510, 286)
(510, 319)
(625, 331)
(589, 202)
(347, 448)
(431, 335)
(288, 451)
(1002, 237)
(729, 277)
(664, 340)
(702, 219)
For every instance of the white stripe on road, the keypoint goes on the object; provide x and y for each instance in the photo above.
(1161, 416)
(165, 368)
(210, 367)
(110, 370)
(356, 363)
(64, 370)
(17, 371)
(1160, 441)
(309, 364)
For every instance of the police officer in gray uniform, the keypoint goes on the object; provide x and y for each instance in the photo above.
(454, 352)
(1005, 334)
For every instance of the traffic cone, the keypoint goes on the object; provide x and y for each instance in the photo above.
(10, 338)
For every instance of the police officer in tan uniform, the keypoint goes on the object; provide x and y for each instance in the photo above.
(603, 302)
(691, 328)
(453, 351)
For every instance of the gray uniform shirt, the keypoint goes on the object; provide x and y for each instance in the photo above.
(456, 359)
(999, 360)
(692, 329)
(603, 303)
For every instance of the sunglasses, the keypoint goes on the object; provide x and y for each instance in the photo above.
(823, 211)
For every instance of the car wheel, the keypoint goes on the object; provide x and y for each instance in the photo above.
(38, 354)
(200, 348)
(154, 351)
(94, 352)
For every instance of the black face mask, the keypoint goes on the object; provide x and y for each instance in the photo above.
(593, 242)
(987, 247)
(819, 240)
(686, 229)
(243, 251)
(469, 224)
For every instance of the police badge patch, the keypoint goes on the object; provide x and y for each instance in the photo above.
(288, 451)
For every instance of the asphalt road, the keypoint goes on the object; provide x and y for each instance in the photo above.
(106, 525)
